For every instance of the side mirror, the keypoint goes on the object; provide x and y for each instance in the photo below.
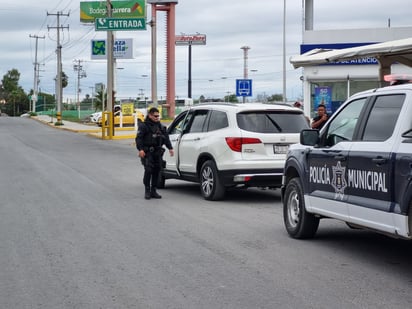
(407, 134)
(309, 137)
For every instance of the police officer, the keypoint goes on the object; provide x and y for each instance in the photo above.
(149, 140)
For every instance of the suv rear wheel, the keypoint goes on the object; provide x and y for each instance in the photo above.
(298, 222)
(210, 184)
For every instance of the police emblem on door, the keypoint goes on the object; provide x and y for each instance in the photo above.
(339, 181)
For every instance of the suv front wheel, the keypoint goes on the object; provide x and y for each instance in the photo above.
(210, 184)
(298, 222)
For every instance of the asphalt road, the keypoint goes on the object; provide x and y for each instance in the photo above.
(76, 232)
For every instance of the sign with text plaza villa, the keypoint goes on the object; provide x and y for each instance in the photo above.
(119, 24)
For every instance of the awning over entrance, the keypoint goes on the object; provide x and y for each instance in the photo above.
(386, 53)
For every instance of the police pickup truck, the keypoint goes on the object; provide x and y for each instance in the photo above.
(357, 169)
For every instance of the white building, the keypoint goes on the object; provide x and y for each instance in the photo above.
(333, 83)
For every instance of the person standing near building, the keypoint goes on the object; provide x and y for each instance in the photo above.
(320, 120)
(150, 138)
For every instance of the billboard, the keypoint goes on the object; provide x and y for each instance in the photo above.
(190, 39)
(121, 9)
(122, 49)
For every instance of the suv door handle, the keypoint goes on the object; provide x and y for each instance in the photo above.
(340, 157)
(379, 160)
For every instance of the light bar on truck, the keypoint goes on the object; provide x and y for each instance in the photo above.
(398, 79)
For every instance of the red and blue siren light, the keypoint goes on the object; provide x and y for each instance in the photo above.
(398, 79)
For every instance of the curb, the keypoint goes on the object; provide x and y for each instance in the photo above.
(94, 132)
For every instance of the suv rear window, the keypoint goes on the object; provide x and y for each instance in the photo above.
(272, 122)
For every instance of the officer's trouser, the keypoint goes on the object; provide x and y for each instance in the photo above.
(152, 163)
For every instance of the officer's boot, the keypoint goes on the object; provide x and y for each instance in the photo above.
(154, 194)
(147, 193)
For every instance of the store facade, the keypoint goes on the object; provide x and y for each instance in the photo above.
(331, 84)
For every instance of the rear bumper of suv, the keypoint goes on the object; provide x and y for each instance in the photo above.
(252, 178)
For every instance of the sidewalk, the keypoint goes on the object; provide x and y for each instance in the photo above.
(89, 129)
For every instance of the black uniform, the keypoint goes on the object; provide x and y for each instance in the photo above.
(317, 118)
(150, 138)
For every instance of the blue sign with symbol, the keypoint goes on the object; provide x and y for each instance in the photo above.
(243, 87)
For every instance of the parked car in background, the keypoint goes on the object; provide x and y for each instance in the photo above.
(126, 120)
(224, 145)
(95, 117)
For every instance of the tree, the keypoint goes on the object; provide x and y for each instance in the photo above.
(10, 80)
(87, 102)
(99, 99)
(65, 80)
(231, 98)
(16, 99)
(275, 98)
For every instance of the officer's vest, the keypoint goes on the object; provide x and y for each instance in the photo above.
(154, 136)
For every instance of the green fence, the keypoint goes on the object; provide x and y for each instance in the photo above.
(69, 115)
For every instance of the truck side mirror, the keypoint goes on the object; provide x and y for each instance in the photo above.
(309, 137)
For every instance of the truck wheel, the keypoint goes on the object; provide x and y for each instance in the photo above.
(210, 185)
(298, 222)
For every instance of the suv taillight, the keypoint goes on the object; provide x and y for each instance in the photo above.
(235, 143)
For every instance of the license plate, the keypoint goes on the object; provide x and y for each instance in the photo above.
(280, 149)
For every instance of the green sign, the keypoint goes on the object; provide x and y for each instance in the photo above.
(99, 48)
(120, 24)
(91, 10)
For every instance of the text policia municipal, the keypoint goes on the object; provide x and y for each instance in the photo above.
(357, 179)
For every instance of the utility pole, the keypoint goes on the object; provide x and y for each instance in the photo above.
(284, 53)
(77, 67)
(93, 92)
(110, 72)
(59, 90)
(36, 74)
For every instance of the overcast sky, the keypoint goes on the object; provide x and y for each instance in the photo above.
(228, 25)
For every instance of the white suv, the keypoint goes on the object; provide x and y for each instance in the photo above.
(223, 145)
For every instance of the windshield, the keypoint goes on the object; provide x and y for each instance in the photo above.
(272, 122)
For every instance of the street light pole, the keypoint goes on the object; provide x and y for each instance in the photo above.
(224, 85)
(245, 66)
(189, 81)
(144, 84)
(284, 51)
